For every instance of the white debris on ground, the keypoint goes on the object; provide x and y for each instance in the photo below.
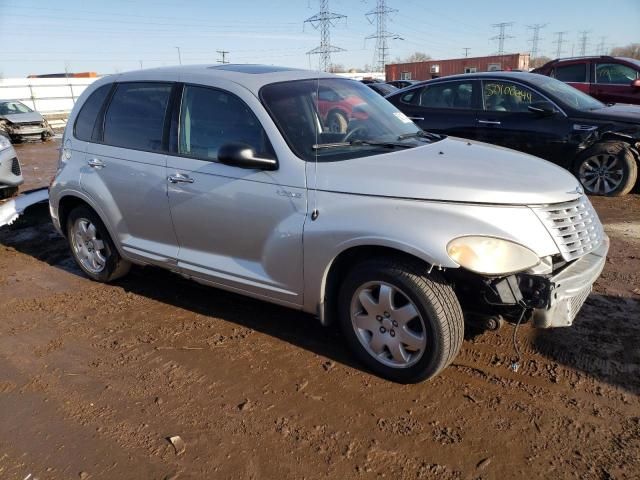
(13, 208)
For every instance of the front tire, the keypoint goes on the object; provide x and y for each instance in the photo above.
(92, 247)
(608, 169)
(402, 323)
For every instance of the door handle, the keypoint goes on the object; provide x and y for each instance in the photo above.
(418, 119)
(180, 178)
(96, 163)
(489, 122)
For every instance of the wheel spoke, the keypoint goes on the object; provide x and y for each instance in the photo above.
(98, 244)
(411, 339)
(91, 230)
(368, 302)
(377, 343)
(405, 314)
(398, 352)
(367, 322)
(386, 297)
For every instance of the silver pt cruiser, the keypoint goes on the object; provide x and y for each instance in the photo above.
(312, 191)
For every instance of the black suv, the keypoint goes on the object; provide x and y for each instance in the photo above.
(534, 114)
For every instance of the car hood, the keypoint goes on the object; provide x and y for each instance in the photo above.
(453, 170)
(23, 117)
(619, 112)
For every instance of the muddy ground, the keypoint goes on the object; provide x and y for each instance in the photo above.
(95, 378)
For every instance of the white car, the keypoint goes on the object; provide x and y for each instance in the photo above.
(230, 175)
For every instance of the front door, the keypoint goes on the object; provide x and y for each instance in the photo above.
(613, 83)
(507, 121)
(125, 172)
(237, 228)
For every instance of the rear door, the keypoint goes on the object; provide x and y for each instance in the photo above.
(444, 107)
(613, 83)
(507, 121)
(238, 228)
(125, 171)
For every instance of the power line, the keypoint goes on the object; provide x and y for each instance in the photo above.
(584, 41)
(324, 20)
(536, 38)
(501, 35)
(382, 36)
(224, 56)
(559, 41)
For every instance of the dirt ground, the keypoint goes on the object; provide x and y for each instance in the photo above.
(94, 379)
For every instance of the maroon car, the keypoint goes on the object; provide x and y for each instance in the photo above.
(609, 79)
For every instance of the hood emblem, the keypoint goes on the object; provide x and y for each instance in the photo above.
(579, 190)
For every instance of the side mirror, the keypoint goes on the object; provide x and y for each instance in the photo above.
(542, 108)
(635, 83)
(242, 155)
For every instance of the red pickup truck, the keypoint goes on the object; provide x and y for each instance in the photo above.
(609, 79)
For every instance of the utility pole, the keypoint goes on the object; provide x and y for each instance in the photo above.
(179, 56)
(466, 51)
(501, 35)
(584, 40)
(323, 21)
(224, 56)
(379, 15)
(536, 38)
(559, 42)
(140, 64)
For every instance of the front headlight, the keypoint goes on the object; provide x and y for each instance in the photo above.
(4, 142)
(491, 256)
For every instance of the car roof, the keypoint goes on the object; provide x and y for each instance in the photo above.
(526, 76)
(251, 76)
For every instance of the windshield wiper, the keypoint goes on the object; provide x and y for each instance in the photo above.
(421, 134)
(356, 143)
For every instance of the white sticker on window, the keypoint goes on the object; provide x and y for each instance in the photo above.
(403, 118)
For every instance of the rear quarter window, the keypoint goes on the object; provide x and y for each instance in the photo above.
(135, 117)
(86, 120)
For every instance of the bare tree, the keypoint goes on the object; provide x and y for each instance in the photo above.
(337, 68)
(417, 57)
(538, 61)
(632, 51)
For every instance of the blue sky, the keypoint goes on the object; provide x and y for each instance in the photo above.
(116, 35)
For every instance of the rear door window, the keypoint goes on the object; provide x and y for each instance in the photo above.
(86, 120)
(576, 72)
(209, 118)
(453, 95)
(135, 117)
(615, 73)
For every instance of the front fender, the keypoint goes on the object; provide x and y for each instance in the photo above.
(419, 228)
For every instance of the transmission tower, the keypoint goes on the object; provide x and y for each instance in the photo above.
(559, 42)
(323, 21)
(502, 35)
(536, 38)
(223, 53)
(584, 41)
(466, 51)
(379, 16)
(602, 46)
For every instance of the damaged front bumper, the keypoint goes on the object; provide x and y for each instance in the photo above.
(569, 289)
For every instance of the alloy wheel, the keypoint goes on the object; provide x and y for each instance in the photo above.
(388, 324)
(89, 249)
(601, 174)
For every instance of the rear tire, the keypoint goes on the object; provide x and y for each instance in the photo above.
(92, 247)
(608, 168)
(337, 122)
(379, 332)
(8, 192)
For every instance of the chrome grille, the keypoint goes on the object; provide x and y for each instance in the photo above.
(574, 226)
(15, 167)
(575, 303)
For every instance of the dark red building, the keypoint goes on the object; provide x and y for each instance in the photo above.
(439, 68)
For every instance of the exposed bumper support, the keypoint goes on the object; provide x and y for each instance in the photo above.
(570, 288)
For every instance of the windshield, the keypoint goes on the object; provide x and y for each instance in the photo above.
(567, 94)
(12, 108)
(331, 119)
